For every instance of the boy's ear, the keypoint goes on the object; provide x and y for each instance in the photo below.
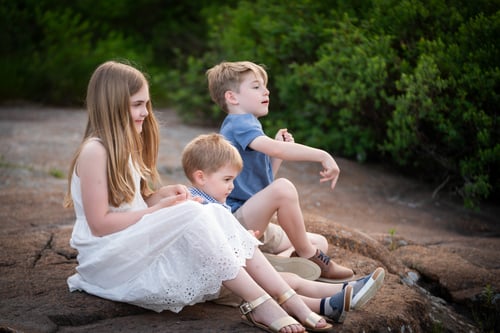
(230, 97)
(199, 177)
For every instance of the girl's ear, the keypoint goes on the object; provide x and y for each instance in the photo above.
(199, 177)
(230, 97)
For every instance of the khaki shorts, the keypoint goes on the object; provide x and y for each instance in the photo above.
(271, 238)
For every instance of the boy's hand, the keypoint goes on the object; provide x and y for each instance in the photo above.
(284, 135)
(330, 171)
(255, 233)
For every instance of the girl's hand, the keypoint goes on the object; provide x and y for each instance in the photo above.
(175, 190)
(173, 194)
(172, 200)
(197, 199)
(284, 135)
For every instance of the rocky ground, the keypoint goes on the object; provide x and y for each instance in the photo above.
(442, 262)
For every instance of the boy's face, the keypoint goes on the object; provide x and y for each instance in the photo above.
(253, 96)
(218, 184)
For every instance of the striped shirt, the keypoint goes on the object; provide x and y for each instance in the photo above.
(206, 198)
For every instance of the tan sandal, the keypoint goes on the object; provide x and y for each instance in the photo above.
(312, 319)
(246, 309)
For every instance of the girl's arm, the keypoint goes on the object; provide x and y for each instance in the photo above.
(291, 151)
(91, 168)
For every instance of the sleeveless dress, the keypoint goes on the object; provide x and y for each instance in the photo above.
(174, 257)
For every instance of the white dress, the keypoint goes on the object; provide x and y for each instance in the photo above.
(174, 257)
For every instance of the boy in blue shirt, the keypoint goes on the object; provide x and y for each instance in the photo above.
(239, 88)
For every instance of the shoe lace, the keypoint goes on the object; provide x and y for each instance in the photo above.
(323, 257)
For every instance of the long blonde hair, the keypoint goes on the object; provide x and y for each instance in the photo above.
(109, 120)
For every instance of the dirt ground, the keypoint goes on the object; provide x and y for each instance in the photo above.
(370, 209)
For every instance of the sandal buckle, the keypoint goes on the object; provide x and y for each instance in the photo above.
(245, 308)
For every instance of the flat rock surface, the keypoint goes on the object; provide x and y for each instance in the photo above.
(374, 217)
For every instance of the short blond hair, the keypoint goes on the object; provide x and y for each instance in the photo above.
(228, 76)
(209, 153)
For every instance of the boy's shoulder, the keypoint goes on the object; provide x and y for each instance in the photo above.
(240, 120)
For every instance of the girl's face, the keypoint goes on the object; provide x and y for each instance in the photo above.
(138, 107)
(253, 96)
(220, 183)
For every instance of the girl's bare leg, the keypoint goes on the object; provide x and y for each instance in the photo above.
(267, 277)
(311, 292)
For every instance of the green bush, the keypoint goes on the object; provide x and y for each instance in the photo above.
(445, 125)
(339, 100)
(412, 83)
(186, 89)
(272, 33)
(68, 39)
(50, 48)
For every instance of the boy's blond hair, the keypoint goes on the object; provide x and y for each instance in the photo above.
(209, 153)
(228, 76)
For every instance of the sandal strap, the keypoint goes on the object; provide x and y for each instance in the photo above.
(247, 307)
(312, 320)
(278, 324)
(285, 296)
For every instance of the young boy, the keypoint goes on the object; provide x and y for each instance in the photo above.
(239, 88)
(211, 164)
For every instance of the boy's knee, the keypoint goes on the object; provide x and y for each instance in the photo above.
(319, 241)
(284, 188)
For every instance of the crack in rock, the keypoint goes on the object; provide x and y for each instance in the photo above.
(48, 245)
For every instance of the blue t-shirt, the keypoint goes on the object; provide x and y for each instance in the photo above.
(257, 173)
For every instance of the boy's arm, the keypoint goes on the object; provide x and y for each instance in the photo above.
(284, 136)
(291, 151)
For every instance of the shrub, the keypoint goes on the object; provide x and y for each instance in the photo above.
(338, 101)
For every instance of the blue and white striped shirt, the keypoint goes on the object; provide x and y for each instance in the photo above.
(206, 198)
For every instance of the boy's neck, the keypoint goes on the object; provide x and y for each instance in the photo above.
(239, 113)
(207, 197)
(197, 188)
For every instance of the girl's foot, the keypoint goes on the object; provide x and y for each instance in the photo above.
(294, 305)
(265, 314)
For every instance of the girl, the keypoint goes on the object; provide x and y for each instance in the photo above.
(159, 249)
